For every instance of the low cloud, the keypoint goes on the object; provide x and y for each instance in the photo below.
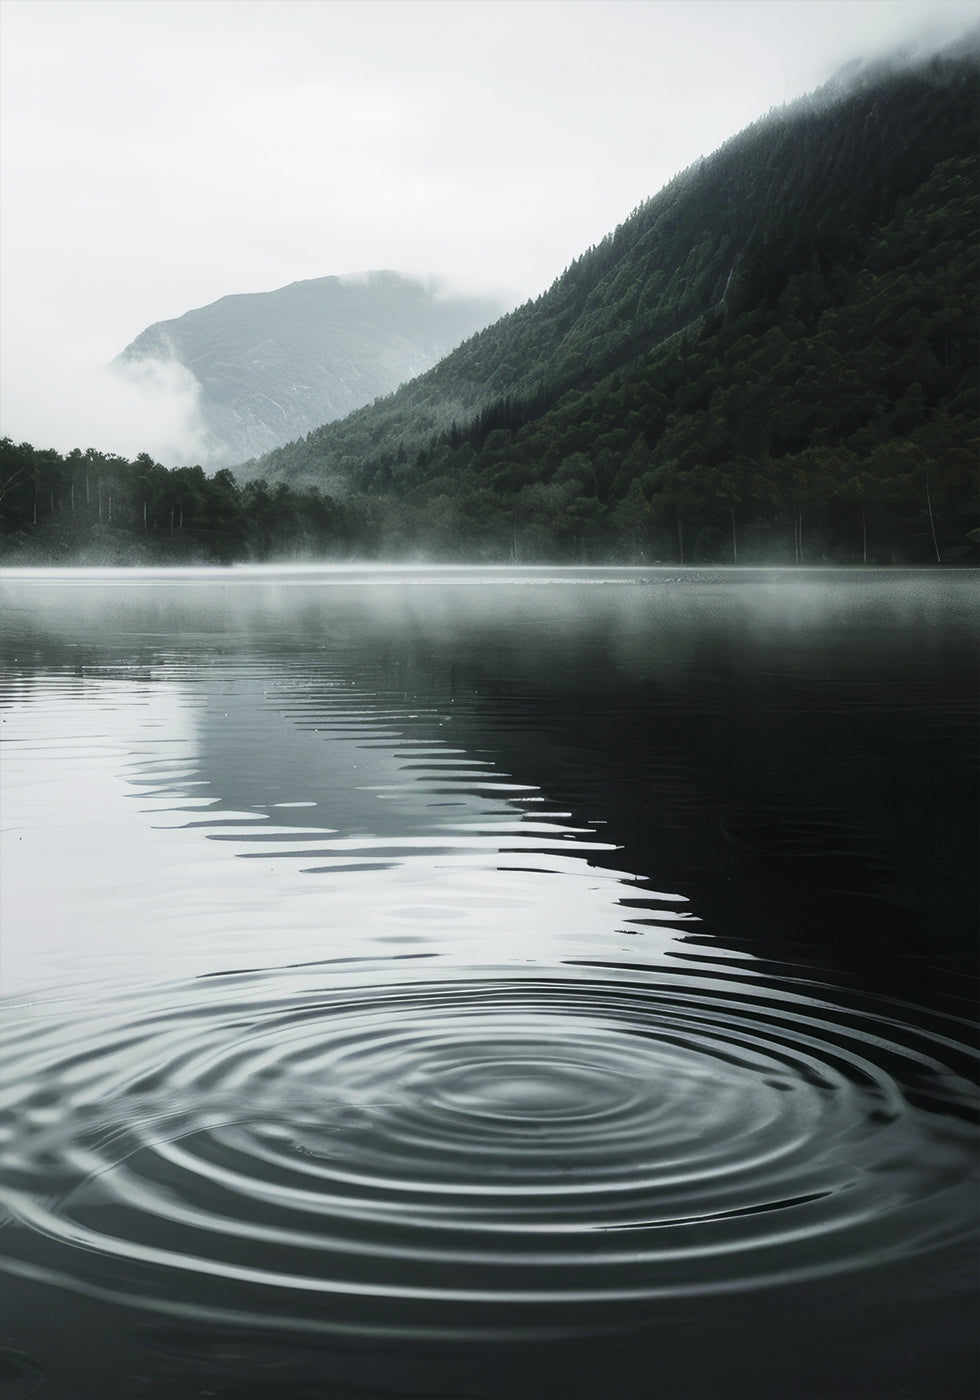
(150, 406)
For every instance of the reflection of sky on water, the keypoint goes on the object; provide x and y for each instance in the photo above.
(441, 725)
(238, 818)
(340, 1001)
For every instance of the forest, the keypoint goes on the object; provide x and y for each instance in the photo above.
(775, 360)
(98, 508)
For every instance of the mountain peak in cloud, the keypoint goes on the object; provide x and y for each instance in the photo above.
(271, 366)
(866, 70)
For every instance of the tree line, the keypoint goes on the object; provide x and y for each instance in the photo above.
(774, 361)
(96, 507)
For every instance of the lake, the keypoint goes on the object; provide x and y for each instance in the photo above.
(503, 982)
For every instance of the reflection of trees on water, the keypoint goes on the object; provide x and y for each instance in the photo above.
(801, 765)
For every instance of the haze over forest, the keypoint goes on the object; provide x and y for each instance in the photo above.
(772, 360)
(487, 144)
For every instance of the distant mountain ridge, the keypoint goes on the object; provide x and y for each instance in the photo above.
(772, 361)
(271, 366)
(787, 332)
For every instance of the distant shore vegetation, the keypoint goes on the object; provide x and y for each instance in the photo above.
(94, 508)
(772, 361)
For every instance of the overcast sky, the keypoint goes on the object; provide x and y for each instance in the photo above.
(160, 154)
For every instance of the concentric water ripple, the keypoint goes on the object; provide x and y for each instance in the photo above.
(351, 999)
(340, 1155)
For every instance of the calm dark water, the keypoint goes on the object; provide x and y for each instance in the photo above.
(546, 983)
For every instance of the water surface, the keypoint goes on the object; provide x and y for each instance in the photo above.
(486, 983)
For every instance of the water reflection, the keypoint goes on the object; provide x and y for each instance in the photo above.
(122, 789)
(370, 975)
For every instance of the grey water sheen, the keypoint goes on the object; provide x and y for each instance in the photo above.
(459, 982)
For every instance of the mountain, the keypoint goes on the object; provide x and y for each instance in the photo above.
(774, 360)
(273, 365)
(778, 350)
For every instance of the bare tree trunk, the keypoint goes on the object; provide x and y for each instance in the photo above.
(932, 523)
(864, 537)
(734, 540)
(680, 537)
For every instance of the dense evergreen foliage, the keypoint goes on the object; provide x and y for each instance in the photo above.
(775, 359)
(93, 507)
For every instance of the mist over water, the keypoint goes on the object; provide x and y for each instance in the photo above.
(498, 982)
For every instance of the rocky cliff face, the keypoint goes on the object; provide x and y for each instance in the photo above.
(271, 366)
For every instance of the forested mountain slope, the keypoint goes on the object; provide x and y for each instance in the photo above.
(778, 353)
(775, 360)
(273, 365)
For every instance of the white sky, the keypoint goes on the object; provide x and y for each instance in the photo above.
(159, 154)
